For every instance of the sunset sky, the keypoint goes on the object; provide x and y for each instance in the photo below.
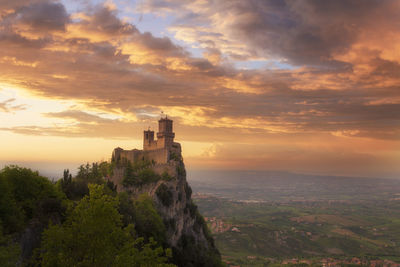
(304, 86)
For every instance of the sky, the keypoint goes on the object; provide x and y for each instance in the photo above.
(304, 86)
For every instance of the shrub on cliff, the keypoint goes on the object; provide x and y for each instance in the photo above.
(189, 253)
(139, 174)
(166, 177)
(165, 195)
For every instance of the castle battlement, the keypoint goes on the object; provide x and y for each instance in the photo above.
(159, 150)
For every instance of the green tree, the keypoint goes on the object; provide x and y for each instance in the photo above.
(140, 254)
(28, 196)
(105, 169)
(10, 213)
(92, 235)
(126, 208)
(9, 251)
(148, 222)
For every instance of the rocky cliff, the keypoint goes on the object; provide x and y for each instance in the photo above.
(166, 184)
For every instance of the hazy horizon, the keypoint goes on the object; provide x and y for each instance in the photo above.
(54, 171)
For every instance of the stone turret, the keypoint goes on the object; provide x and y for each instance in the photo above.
(165, 135)
(148, 140)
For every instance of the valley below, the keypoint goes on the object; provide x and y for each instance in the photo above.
(274, 218)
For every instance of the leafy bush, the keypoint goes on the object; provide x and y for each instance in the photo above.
(147, 176)
(174, 156)
(139, 174)
(166, 177)
(180, 169)
(165, 195)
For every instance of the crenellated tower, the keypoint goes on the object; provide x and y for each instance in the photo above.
(148, 140)
(165, 135)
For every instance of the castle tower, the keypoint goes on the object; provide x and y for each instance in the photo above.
(165, 135)
(148, 140)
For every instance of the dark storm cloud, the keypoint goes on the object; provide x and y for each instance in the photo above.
(44, 16)
(13, 40)
(105, 20)
(159, 44)
(7, 5)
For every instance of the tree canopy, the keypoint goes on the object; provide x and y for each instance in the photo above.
(93, 235)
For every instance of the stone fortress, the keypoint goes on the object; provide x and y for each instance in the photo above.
(164, 181)
(159, 151)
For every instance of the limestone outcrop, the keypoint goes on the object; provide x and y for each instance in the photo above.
(165, 182)
(187, 232)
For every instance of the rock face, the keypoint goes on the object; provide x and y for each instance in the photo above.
(187, 231)
(158, 171)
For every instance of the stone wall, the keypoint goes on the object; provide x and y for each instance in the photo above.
(158, 155)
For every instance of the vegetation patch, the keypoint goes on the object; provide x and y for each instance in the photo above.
(188, 191)
(174, 156)
(93, 236)
(166, 177)
(165, 195)
(180, 169)
(141, 173)
(84, 221)
(191, 208)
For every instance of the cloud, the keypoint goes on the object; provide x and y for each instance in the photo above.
(11, 6)
(78, 115)
(103, 20)
(75, 123)
(6, 106)
(46, 16)
(305, 32)
(344, 84)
